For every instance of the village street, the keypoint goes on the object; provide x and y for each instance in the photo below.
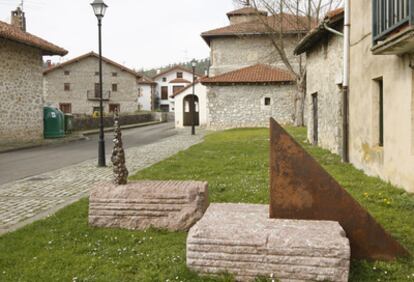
(24, 163)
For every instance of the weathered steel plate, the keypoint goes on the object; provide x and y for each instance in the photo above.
(301, 189)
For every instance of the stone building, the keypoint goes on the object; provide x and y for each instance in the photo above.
(73, 86)
(249, 97)
(21, 67)
(324, 68)
(242, 53)
(381, 93)
(167, 83)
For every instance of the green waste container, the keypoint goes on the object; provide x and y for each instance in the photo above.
(68, 123)
(54, 123)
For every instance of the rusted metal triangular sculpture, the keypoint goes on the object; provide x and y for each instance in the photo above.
(301, 189)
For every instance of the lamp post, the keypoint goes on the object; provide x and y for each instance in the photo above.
(99, 8)
(193, 65)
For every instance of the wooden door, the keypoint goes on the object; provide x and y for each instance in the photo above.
(191, 111)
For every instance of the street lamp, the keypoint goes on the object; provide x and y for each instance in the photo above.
(193, 65)
(99, 8)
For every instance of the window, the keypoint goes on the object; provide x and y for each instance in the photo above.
(164, 93)
(97, 73)
(381, 112)
(114, 74)
(267, 101)
(179, 75)
(66, 108)
(164, 79)
(97, 90)
(315, 119)
(114, 87)
(66, 86)
(378, 113)
(165, 108)
(66, 72)
(177, 88)
(114, 107)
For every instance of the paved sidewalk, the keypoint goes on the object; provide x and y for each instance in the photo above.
(33, 198)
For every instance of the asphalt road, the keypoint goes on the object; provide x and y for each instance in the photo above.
(20, 164)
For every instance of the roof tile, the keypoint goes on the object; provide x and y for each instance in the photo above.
(253, 74)
(13, 33)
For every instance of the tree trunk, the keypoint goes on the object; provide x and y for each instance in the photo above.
(300, 99)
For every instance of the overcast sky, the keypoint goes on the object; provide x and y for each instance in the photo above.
(137, 33)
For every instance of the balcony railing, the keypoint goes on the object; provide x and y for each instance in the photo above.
(389, 16)
(94, 95)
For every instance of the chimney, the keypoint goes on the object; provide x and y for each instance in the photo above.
(18, 19)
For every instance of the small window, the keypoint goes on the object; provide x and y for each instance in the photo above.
(179, 75)
(97, 73)
(97, 90)
(66, 72)
(66, 86)
(114, 74)
(164, 79)
(267, 101)
(114, 87)
(66, 108)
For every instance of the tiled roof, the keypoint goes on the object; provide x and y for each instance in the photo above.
(94, 55)
(185, 88)
(254, 74)
(180, 80)
(146, 80)
(173, 69)
(13, 33)
(289, 24)
(332, 19)
(246, 11)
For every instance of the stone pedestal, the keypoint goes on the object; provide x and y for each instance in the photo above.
(241, 239)
(171, 205)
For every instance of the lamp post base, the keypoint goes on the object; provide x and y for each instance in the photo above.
(101, 153)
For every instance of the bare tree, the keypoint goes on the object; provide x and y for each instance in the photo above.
(303, 15)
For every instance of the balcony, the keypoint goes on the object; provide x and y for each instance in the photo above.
(392, 27)
(94, 95)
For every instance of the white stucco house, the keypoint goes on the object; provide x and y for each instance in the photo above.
(146, 93)
(167, 83)
(183, 100)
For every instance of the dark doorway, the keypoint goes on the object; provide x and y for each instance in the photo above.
(188, 110)
(315, 118)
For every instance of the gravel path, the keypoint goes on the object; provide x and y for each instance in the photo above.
(33, 198)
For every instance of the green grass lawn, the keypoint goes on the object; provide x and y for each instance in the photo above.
(235, 163)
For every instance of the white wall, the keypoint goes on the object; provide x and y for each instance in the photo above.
(201, 93)
(169, 77)
(145, 96)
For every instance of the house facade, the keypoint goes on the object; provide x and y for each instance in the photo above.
(21, 67)
(167, 83)
(324, 69)
(252, 82)
(73, 86)
(187, 109)
(381, 97)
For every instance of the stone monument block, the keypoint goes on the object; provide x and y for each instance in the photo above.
(171, 205)
(242, 240)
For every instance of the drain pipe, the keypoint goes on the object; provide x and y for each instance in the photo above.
(345, 91)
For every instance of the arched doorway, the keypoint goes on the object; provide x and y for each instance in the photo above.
(188, 110)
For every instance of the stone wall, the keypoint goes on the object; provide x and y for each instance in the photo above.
(82, 78)
(232, 53)
(244, 105)
(21, 107)
(324, 78)
(89, 122)
(394, 161)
